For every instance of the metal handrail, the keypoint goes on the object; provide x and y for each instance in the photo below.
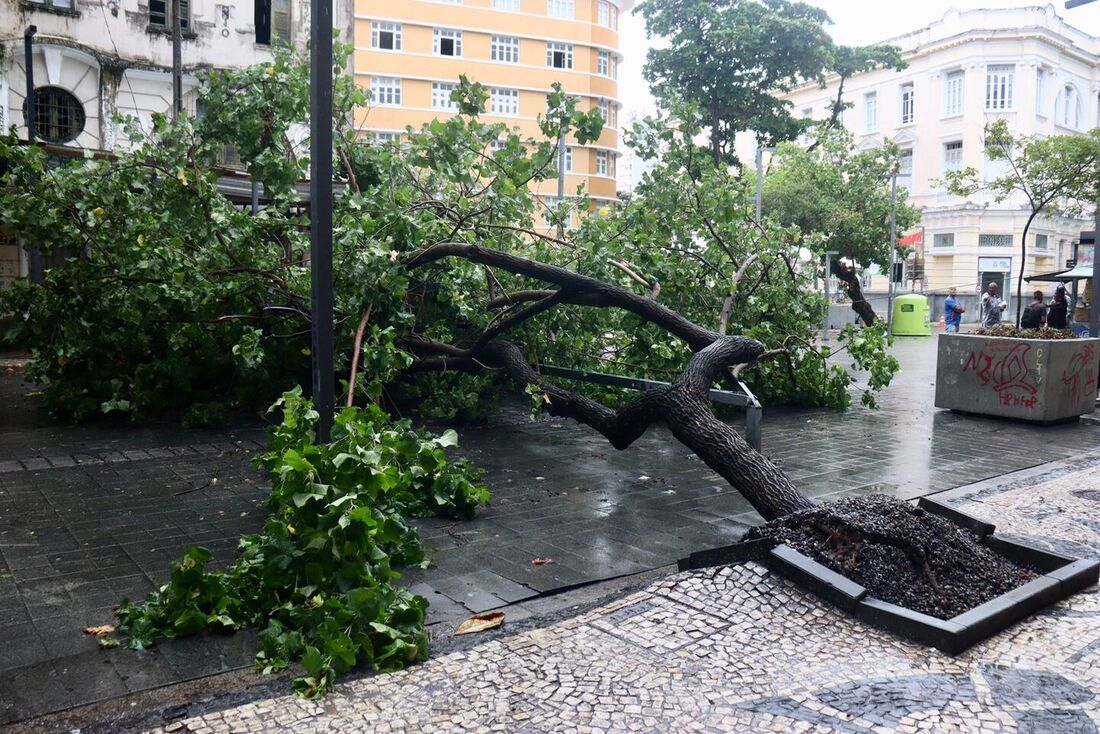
(754, 412)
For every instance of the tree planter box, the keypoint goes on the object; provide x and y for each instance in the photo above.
(1040, 380)
(1061, 577)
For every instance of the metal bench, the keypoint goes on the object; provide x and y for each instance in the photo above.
(754, 413)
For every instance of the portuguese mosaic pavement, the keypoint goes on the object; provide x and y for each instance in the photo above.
(738, 649)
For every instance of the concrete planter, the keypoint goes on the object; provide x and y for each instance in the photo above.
(1041, 380)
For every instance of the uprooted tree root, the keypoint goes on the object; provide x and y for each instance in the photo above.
(899, 553)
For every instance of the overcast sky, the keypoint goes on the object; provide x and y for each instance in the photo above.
(855, 22)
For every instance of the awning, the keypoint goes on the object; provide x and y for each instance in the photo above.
(1081, 272)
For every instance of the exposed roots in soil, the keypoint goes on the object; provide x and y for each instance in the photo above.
(899, 553)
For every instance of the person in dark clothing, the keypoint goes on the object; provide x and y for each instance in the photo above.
(1035, 313)
(1058, 310)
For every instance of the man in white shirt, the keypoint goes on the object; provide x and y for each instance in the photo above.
(993, 305)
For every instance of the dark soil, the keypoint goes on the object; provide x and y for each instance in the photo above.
(899, 553)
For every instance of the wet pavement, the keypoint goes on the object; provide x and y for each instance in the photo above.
(88, 514)
(736, 648)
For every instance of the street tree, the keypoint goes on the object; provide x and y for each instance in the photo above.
(733, 57)
(1059, 173)
(844, 196)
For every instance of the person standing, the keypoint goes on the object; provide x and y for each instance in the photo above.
(1058, 311)
(952, 312)
(1034, 315)
(994, 306)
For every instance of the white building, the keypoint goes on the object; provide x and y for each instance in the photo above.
(94, 59)
(1026, 65)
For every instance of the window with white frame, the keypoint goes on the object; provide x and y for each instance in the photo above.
(614, 18)
(1041, 92)
(446, 42)
(504, 49)
(870, 112)
(611, 165)
(1042, 241)
(385, 36)
(568, 159)
(953, 94)
(603, 63)
(952, 155)
(385, 91)
(999, 80)
(498, 144)
(504, 101)
(381, 137)
(441, 96)
(1068, 111)
(603, 16)
(905, 168)
(614, 66)
(605, 112)
(943, 239)
(560, 9)
(511, 6)
(908, 104)
(559, 55)
(601, 162)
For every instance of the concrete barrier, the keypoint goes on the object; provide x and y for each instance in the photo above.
(1041, 380)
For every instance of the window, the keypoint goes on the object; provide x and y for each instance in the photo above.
(385, 36)
(611, 164)
(441, 96)
(908, 108)
(952, 156)
(446, 43)
(996, 168)
(870, 112)
(614, 18)
(512, 6)
(601, 162)
(614, 67)
(1041, 92)
(1068, 113)
(560, 9)
(504, 101)
(559, 55)
(943, 239)
(1041, 241)
(504, 49)
(998, 86)
(568, 159)
(905, 163)
(385, 91)
(603, 63)
(953, 94)
(272, 21)
(498, 144)
(380, 138)
(994, 240)
(58, 115)
(158, 14)
(66, 4)
(604, 13)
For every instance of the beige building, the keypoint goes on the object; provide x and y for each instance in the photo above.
(410, 54)
(1026, 65)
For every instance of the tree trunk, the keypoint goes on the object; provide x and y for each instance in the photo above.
(1023, 263)
(851, 282)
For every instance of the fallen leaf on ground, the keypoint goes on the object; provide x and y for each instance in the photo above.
(108, 642)
(480, 623)
(541, 561)
(100, 630)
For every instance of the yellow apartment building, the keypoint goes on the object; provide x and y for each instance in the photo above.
(410, 54)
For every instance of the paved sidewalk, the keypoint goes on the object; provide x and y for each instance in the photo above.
(737, 649)
(91, 513)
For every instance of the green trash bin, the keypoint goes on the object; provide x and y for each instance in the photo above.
(911, 316)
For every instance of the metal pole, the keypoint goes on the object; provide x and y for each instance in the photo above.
(760, 181)
(320, 202)
(828, 301)
(561, 176)
(36, 264)
(177, 62)
(1094, 310)
(893, 252)
(255, 196)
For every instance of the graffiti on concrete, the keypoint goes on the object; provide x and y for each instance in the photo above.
(1006, 370)
(1078, 377)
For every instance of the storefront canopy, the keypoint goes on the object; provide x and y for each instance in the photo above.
(1081, 272)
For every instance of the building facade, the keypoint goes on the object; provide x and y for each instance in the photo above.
(95, 59)
(411, 53)
(1026, 65)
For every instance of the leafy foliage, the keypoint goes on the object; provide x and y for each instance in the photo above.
(319, 577)
(1015, 332)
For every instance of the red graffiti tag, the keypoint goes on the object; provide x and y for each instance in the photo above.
(1005, 371)
(1078, 378)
